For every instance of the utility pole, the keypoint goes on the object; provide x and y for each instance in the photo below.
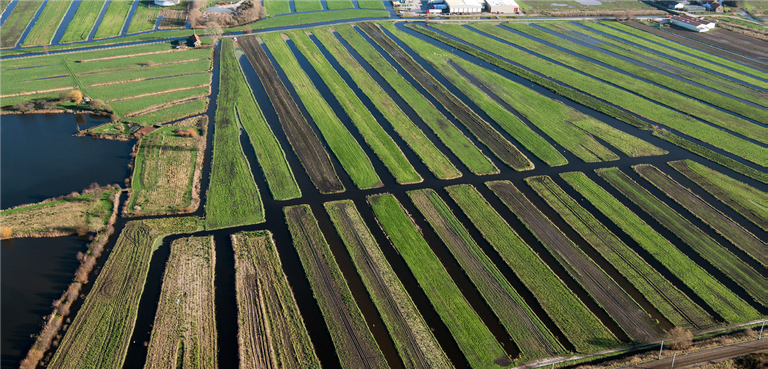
(673, 360)
(761, 331)
(662, 349)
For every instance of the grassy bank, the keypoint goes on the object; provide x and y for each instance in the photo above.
(114, 19)
(272, 329)
(375, 136)
(184, 330)
(448, 134)
(276, 7)
(307, 5)
(85, 18)
(412, 336)
(473, 338)
(236, 92)
(527, 331)
(172, 113)
(663, 295)
(47, 23)
(582, 329)
(355, 345)
(347, 150)
(437, 163)
(145, 18)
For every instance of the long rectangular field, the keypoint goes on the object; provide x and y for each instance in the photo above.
(144, 18)
(114, 19)
(83, 22)
(18, 21)
(47, 23)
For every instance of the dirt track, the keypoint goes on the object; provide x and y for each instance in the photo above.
(305, 143)
(630, 317)
(503, 149)
(714, 355)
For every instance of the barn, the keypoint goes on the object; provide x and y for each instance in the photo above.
(691, 23)
(503, 6)
(464, 6)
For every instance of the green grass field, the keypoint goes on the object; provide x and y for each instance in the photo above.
(529, 334)
(114, 19)
(129, 107)
(339, 4)
(270, 154)
(730, 307)
(86, 15)
(700, 242)
(232, 198)
(111, 92)
(172, 113)
(743, 198)
(180, 68)
(355, 345)
(582, 329)
(448, 134)
(663, 295)
(437, 163)
(371, 4)
(344, 146)
(17, 21)
(100, 333)
(412, 336)
(275, 7)
(474, 339)
(307, 5)
(47, 23)
(669, 98)
(145, 18)
(375, 136)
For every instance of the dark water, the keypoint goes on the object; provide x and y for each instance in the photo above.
(29, 285)
(41, 159)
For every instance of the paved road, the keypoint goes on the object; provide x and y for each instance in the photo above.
(709, 356)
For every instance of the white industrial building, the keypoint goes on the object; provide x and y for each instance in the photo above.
(464, 6)
(691, 23)
(167, 2)
(503, 6)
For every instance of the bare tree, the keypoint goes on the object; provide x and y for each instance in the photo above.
(214, 29)
(681, 338)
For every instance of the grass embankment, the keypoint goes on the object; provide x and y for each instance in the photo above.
(714, 253)
(339, 4)
(693, 91)
(613, 95)
(743, 198)
(135, 106)
(17, 21)
(88, 212)
(275, 7)
(627, 50)
(495, 142)
(680, 48)
(236, 92)
(307, 5)
(114, 19)
(167, 170)
(145, 18)
(354, 342)
(625, 311)
(412, 336)
(182, 67)
(661, 96)
(272, 332)
(478, 344)
(527, 331)
(505, 119)
(724, 302)
(375, 136)
(172, 113)
(663, 295)
(347, 150)
(128, 90)
(47, 23)
(83, 21)
(232, 198)
(448, 134)
(100, 333)
(437, 163)
(184, 331)
(582, 329)
(722, 224)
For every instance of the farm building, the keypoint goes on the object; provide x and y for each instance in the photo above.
(502, 6)
(167, 2)
(195, 40)
(712, 6)
(464, 6)
(691, 23)
(678, 5)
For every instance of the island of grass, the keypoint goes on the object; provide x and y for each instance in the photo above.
(67, 215)
(272, 332)
(167, 169)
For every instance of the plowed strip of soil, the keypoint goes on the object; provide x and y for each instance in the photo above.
(271, 326)
(157, 93)
(739, 236)
(621, 307)
(305, 143)
(491, 138)
(163, 106)
(355, 345)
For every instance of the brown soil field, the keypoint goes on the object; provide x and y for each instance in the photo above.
(173, 18)
(272, 332)
(354, 342)
(184, 333)
(617, 303)
(412, 336)
(503, 149)
(719, 39)
(724, 225)
(302, 138)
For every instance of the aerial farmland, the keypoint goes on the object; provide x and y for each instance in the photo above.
(381, 184)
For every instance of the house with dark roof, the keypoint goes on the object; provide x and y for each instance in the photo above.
(195, 40)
